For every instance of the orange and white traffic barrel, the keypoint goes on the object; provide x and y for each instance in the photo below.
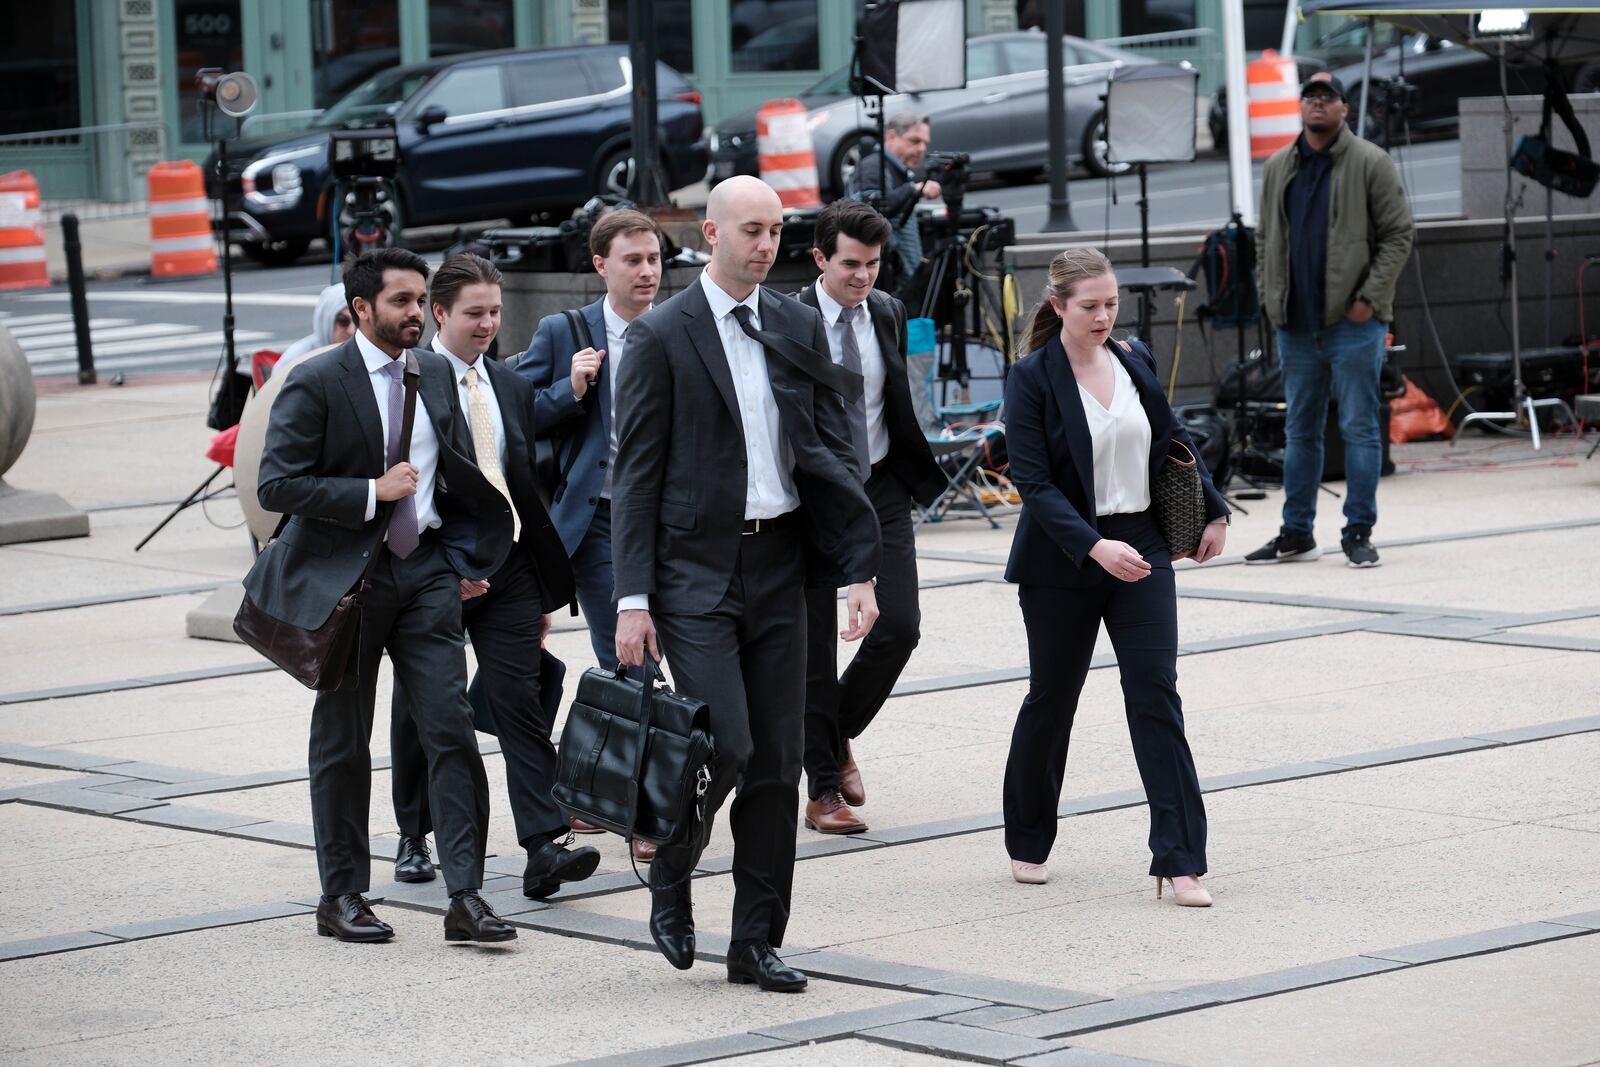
(788, 162)
(180, 221)
(1274, 82)
(22, 257)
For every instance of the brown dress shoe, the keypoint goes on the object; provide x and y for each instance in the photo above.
(850, 786)
(643, 851)
(581, 827)
(828, 814)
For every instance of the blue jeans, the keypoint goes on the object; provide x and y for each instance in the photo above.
(1347, 356)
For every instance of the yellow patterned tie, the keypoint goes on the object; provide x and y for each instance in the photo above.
(483, 442)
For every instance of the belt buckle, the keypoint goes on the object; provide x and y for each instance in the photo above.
(758, 522)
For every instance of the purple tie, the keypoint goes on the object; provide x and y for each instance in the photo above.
(403, 537)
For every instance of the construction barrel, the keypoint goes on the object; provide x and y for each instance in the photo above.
(22, 256)
(1274, 82)
(181, 243)
(788, 162)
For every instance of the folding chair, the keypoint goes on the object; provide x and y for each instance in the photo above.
(959, 435)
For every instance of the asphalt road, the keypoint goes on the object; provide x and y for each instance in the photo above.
(140, 326)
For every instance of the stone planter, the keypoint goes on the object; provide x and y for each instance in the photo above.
(26, 515)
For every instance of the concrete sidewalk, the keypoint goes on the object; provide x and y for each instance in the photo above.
(1399, 766)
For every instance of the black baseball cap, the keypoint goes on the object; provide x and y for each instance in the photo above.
(1325, 81)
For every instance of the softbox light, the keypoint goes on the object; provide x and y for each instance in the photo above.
(913, 46)
(1150, 113)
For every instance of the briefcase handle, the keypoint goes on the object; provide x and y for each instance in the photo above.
(647, 692)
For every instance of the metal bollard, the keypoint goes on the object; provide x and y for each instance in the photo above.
(80, 302)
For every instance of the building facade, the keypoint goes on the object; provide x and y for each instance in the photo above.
(120, 73)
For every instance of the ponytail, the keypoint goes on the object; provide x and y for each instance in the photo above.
(1067, 269)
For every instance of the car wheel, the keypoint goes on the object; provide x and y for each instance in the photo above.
(1096, 149)
(615, 173)
(848, 157)
(276, 253)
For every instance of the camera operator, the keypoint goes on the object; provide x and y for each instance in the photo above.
(906, 138)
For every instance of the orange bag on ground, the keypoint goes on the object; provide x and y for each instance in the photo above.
(1415, 415)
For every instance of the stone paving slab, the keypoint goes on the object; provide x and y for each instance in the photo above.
(1506, 1007)
(852, 1053)
(245, 993)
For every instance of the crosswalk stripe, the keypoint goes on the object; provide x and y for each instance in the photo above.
(24, 334)
(121, 363)
(177, 296)
(157, 344)
(11, 322)
(44, 342)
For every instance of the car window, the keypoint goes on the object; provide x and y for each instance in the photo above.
(605, 73)
(1027, 55)
(983, 61)
(468, 91)
(380, 96)
(547, 80)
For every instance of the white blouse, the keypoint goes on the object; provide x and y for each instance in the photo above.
(1121, 436)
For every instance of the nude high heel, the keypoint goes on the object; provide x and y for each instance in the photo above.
(1029, 873)
(1185, 898)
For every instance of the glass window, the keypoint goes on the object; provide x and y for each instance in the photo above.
(380, 96)
(773, 35)
(674, 40)
(469, 90)
(351, 40)
(546, 81)
(1165, 16)
(1031, 16)
(983, 61)
(457, 26)
(1029, 56)
(206, 34)
(38, 67)
(605, 71)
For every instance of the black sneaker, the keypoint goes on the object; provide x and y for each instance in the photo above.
(1287, 547)
(1358, 550)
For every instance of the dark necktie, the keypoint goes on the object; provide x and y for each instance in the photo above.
(850, 358)
(803, 358)
(403, 536)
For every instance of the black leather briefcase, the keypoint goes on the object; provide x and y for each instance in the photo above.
(605, 776)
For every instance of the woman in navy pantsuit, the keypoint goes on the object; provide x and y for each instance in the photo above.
(1086, 426)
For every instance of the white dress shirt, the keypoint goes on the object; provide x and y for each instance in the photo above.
(874, 371)
(769, 461)
(1121, 436)
(458, 370)
(424, 453)
(616, 338)
(769, 469)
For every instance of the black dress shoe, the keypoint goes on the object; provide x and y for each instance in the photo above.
(471, 919)
(672, 924)
(754, 961)
(349, 918)
(553, 863)
(413, 862)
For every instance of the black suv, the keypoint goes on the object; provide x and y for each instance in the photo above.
(489, 135)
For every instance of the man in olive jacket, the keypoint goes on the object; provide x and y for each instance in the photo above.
(1335, 233)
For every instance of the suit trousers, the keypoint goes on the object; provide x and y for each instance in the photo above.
(412, 610)
(1142, 621)
(591, 570)
(746, 658)
(504, 624)
(839, 709)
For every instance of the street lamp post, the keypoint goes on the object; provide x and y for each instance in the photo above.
(1060, 216)
(644, 185)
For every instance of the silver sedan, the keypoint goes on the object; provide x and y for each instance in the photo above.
(999, 118)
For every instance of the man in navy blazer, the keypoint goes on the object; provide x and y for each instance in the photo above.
(574, 379)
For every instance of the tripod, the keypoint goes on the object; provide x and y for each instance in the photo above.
(1523, 405)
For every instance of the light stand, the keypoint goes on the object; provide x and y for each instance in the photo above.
(1523, 405)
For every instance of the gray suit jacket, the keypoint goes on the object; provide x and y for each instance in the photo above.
(678, 490)
(324, 442)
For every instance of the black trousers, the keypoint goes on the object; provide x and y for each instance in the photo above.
(839, 708)
(504, 624)
(747, 659)
(1142, 621)
(414, 611)
(591, 570)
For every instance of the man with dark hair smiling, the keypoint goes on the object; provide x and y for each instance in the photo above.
(333, 454)
(866, 334)
(507, 614)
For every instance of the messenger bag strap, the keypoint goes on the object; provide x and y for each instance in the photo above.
(580, 335)
(407, 421)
